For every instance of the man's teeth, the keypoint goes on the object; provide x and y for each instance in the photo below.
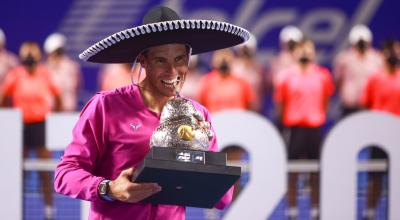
(171, 82)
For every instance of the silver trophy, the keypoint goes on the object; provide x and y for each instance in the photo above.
(179, 160)
(182, 126)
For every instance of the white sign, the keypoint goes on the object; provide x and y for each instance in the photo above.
(11, 164)
(59, 129)
(339, 162)
(268, 177)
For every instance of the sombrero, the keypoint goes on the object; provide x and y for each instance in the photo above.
(162, 25)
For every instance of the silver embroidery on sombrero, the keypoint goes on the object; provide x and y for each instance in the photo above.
(160, 27)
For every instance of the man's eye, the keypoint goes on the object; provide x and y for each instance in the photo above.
(180, 58)
(159, 61)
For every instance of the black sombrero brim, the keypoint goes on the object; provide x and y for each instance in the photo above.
(201, 35)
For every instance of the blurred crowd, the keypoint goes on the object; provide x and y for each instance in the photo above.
(230, 79)
(293, 90)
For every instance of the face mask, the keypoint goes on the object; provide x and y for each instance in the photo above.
(59, 51)
(392, 60)
(224, 67)
(361, 45)
(304, 60)
(29, 61)
(291, 45)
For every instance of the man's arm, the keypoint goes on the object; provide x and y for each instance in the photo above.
(74, 174)
(7, 89)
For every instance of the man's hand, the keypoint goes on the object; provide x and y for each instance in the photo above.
(124, 190)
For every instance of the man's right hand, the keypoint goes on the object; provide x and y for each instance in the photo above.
(124, 190)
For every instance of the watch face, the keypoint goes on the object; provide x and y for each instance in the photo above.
(103, 188)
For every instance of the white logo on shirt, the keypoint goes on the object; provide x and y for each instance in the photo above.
(136, 125)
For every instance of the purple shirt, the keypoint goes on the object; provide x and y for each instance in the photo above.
(111, 135)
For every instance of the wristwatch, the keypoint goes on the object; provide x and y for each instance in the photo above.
(104, 190)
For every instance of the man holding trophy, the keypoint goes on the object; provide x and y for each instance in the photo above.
(121, 130)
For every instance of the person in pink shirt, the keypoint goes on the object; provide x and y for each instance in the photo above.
(245, 66)
(30, 88)
(65, 72)
(8, 60)
(289, 37)
(221, 90)
(112, 134)
(302, 99)
(382, 89)
(382, 93)
(352, 67)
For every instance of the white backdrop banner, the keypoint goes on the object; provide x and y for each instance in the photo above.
(265, 146)
(11, 164)
(339, 162)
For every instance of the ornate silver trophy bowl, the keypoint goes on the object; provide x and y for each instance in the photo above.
(179, 160)
(182, 126)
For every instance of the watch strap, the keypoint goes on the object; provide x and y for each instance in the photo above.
(106, 196)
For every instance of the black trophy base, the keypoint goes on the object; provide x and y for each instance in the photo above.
(187, 177)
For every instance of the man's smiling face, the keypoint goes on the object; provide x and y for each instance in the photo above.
(166, 68)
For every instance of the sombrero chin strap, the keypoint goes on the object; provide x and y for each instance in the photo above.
(133, 71)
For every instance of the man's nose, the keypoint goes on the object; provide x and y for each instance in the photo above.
(172, 69)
